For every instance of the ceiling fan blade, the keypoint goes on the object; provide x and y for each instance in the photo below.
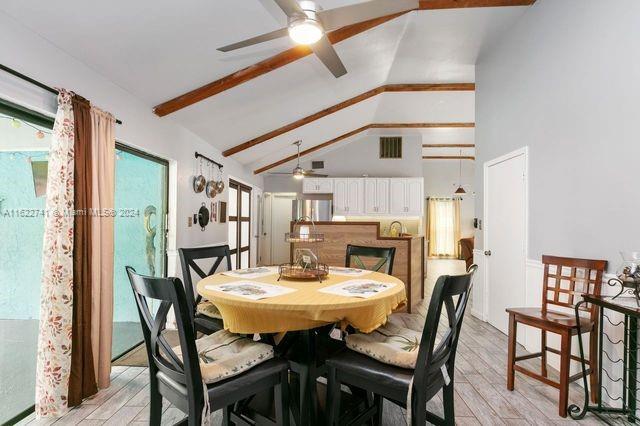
(255, 40)
(342, 16)
(289, 7)
(315, 175)
(329, 57)
(280, 173)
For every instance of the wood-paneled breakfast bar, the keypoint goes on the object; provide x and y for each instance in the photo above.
(408, 264)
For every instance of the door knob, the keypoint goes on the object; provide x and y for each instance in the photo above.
(487, 252)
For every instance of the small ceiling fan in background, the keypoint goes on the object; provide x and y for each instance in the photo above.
(308, 24)
(298, 172)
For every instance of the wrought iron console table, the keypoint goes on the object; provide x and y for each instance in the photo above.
(623, 401)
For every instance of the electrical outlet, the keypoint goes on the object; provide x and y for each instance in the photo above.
(189, 222)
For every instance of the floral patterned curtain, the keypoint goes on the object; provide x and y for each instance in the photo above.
(56, 298)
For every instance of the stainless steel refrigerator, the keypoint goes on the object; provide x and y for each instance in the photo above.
(317, 210)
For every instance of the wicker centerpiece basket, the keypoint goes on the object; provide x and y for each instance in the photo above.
(306, 264)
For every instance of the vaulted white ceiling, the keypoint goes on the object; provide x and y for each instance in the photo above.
(163, 48)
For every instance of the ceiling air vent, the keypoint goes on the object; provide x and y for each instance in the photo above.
(315, 165)
(391, 147)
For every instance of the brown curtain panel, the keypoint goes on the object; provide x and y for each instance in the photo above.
(82, 381)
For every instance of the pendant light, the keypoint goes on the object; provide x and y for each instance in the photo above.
(298, 172)
(460, 190)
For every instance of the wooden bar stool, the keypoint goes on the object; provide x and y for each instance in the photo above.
(558, 289)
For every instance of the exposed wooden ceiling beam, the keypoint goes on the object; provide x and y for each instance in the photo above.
(298, 52)
(355, 132)
(448, 145)
(418, 87)
(263, 67)
(454, 4)
(448, 157)
(420, 125)
(312, 149)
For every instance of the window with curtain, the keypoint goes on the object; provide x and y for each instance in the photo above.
(443, 227)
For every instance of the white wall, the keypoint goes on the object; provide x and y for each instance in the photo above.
(564, 81)
(355, 158)
(362, 156)
(32, 55)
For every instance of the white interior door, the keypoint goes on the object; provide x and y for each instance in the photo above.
(281, 213)
(505, 236)
(265, 230)
(256, 225)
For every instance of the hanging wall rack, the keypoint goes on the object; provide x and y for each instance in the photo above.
(204, 157)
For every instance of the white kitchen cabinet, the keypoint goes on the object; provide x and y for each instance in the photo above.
(382, 196)
(355, 196)
(340, 197)
(370, 192)
(348, 196)
(397, 193)
(317, 186)
(376, 196)
(406, 196)
(414, 198)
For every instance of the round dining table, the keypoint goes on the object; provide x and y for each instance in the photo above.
(302, 320)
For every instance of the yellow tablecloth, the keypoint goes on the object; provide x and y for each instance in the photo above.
(304, 309)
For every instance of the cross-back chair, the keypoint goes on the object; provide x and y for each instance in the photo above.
(434, 365)
(385, 256)
(206, 317)
(565, 280)
(178, 378)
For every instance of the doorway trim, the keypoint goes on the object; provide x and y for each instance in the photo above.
(485, 232)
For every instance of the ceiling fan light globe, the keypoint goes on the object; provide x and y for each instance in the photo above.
(298, 173)
(305, 31)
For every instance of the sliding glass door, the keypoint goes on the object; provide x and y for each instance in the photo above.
(140, 241)
(24, 146)
(239, 224)
(140, 235)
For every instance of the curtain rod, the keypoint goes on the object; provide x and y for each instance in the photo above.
(34, 82)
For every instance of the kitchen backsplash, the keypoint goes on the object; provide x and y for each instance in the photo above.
(412, 225)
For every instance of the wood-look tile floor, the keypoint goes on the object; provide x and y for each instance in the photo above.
(481, 394)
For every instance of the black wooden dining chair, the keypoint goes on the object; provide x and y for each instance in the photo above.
(434, 366)
(385, 255)
(179, 378)
(206, 317)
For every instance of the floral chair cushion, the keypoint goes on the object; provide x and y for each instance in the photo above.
(392, 344)
(224, 354)
(208, 309)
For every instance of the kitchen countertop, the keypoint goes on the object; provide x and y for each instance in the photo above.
(354, 223)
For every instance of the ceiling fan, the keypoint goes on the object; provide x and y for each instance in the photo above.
(298, 172)
(308, 24)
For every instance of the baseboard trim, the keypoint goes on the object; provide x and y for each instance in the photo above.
(477, 314)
